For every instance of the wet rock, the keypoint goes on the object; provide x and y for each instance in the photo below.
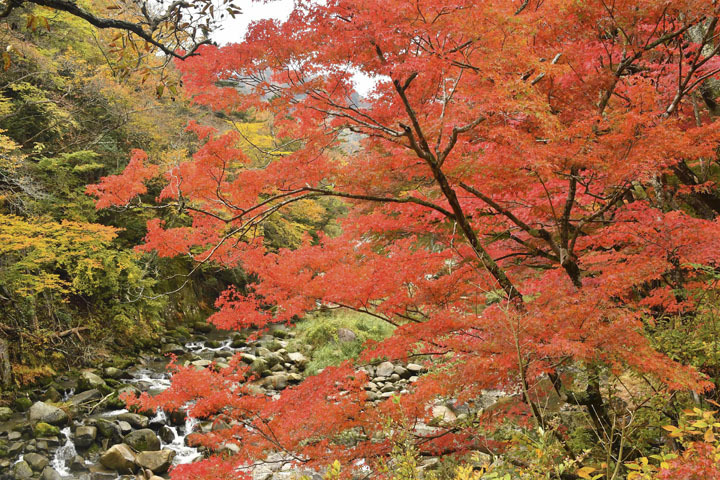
(109, 430)
(50, 473)
(77, 464)
(42, 412)
(158, 461)
(85, 435)
(143, 440)
(36, 461)
(177, 417)
(5, 414)
(12, 436)
(167, 434)
(385, 369)
(134, 419)
(89, 381)
(100, 475)
(22, 470)
(259, 366)
(119, 458)
(346, 335)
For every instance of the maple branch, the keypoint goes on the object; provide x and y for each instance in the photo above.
(73, 8)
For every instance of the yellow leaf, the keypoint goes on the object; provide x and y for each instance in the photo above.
(585, 472)
(709, 435)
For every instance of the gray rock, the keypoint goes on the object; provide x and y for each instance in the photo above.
(109, 430)
(12, 436)
(276, 382)
(85, 435)
(143, 440)
(15, 449)
(385, 369)
(77, 464)
(346, 335)
(172, 348)
(49, 473)
(167, 434)
(88, 396)
(36, 461)
(134, 419)
(414, 368)
(42, 412)
(402, 372)
(22, 470)
(5, 414)
(112, 372)
(298, 359)
(158, 461)
(119, 458)
(125, 427)
(88, 381)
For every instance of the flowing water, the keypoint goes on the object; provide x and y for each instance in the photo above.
(152, 378)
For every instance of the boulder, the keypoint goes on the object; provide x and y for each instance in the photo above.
(50, 473)
(36, 461)
(5, 414)
(158, 461)
(77, 464)
(173, 348)
(167, 434)
(119, 458)
(42, 412)
(112, 372)
(202, 327)
(88, 381)
(298, 359)
(134, 419)
(88, 396)
(22, 470)
(385, 369)
(414, 368)
(143, 440)
(85, 435)
(22, 404)
(277, 381)
(109, 430)
(52, 395)
(346, 335)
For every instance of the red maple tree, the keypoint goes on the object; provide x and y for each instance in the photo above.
(510, 207)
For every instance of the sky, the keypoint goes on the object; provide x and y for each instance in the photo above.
(234, 29)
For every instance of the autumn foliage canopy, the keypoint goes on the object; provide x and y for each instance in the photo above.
(529, 196)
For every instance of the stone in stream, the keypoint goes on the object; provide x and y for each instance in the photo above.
(114, 373)
(12, 436)
(42, 412)
(15, 449)
(134, 419)
(298, 359)
(85, 435)
(202, 327)
(276, 382)
(119, 458)
(50, 473)
(385, 369)
(42, 429)
(88, 396)
(5, 414)
(77, 464)
(88, 381)
(167, 434)
(52, 395)
(36, 461)
(158, 461)
(143, 440)
(22, 470)
(125, 427)
(109, 430)
(173, 348)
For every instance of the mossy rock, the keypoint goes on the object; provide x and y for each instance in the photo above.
(22, 404)
(43, 429)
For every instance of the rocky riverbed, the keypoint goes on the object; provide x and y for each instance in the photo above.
(76, 428)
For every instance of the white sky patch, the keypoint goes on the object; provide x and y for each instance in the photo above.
(233, 30)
